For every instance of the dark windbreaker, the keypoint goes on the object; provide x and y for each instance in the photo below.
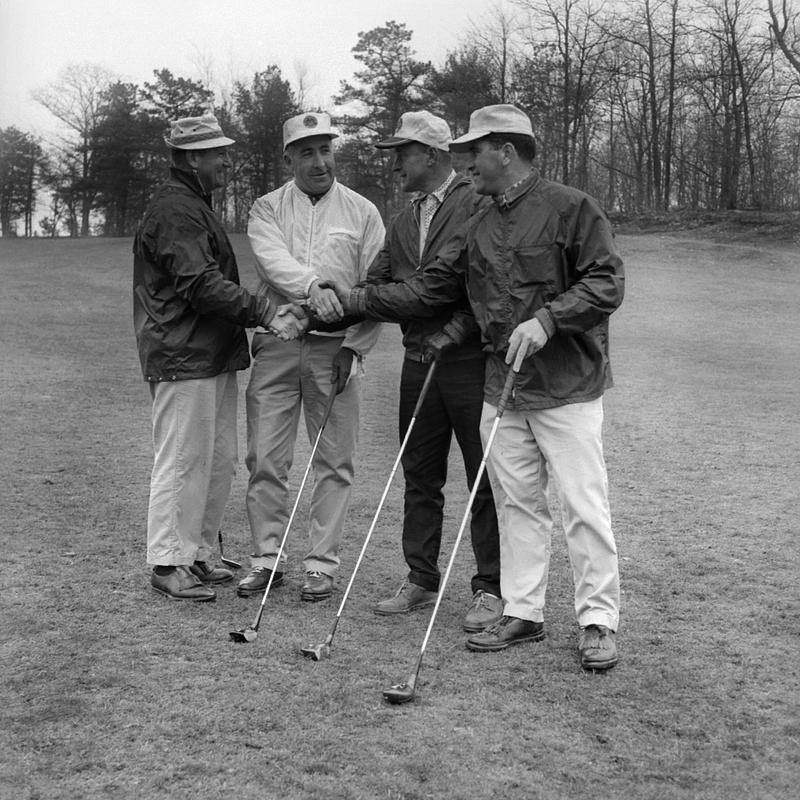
(189, 310)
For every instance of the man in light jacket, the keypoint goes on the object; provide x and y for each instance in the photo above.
(310, 230)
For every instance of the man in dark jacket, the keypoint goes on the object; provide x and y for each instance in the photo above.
(542, 276)
(443, 201)
(189, 314)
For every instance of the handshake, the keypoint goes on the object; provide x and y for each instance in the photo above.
(327, 302)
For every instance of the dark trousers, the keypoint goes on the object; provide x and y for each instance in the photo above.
(452, 406)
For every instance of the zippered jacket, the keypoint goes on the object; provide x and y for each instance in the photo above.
(400, 258)
(541, 250)
(296, 242)
(189, 309)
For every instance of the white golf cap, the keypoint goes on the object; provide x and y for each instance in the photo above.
(501, 118)
(304, 125)
(196, 133)
(422, 127)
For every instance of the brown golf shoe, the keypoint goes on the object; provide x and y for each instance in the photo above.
(597, 647)
(182, 584)
(255, 582)
(209, 574)
(408, 598)
(504, 633)
(484, 610)
(318, 586)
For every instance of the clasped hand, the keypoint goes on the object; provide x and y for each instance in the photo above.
(290, 322)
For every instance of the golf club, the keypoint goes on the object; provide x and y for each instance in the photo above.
(228, 562)
(249, 634)
(319, 651)
(400, 693)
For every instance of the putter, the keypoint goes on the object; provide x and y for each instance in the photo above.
(250, 633)
(400, 693)
(317, 652)
(228, 562)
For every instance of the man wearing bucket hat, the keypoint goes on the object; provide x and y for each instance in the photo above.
(441, 203)
(189, 315)
(543, 276)
(309, 231)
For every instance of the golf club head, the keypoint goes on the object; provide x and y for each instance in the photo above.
(244, 635)
(399, 693)
(228, 562)
(316, 652)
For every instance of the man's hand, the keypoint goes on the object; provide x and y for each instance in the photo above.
(436, 344)
(529, 337)
(324, 302)
(290, 322)
(341, 368)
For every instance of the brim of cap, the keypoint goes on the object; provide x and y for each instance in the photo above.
(205, 144)
(309, 136)
(394, 141)
(462, 143)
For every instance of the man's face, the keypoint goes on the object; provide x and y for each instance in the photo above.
(486, 168)
(312, 163)
(211, 165)
(412, 166)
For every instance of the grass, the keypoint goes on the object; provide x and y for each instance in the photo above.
(110, 691)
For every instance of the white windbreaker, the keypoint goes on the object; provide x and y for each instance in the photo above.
(296, 242)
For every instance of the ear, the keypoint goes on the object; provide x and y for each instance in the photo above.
(287, 159)
(507, 153)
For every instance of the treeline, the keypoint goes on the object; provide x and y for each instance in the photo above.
(649, 105)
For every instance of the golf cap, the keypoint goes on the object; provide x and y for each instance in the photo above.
(196, 133)
(502, 118)
(422, 127)
(304, 125)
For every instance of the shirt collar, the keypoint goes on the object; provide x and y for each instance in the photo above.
(516, 190)
(440, 192)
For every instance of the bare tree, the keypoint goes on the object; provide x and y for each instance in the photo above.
(76, 99)
(785, 28)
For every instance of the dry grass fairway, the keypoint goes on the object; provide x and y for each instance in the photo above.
(110, 691)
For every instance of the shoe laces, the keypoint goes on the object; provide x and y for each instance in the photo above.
(314, 573)
(498, 626)
(481, 599)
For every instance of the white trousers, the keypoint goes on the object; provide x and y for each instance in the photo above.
(195, 447)
(530, 447)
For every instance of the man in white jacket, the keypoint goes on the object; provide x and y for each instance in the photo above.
(310, 230)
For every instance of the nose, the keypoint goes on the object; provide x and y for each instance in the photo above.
(226, 161)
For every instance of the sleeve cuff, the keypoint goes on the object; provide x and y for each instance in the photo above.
(546, 321)
(358, 300)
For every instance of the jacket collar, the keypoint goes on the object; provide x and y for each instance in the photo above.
(517, 190)
(190, 181)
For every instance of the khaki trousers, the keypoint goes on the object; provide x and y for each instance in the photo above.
(286, 377)
(530, 447)
(195, 447)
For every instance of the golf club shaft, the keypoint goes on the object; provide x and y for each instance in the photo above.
(420, 399)
(322, 425)
(501, 406)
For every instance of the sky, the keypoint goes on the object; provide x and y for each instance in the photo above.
(235, 38)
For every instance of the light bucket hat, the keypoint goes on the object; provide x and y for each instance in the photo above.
(422, 127)
(502, 118)
(196, 133)
(304, 125)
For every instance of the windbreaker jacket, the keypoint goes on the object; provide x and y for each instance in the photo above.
(189, 311)
(400, 258)
(296, 242)
(542, 250)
